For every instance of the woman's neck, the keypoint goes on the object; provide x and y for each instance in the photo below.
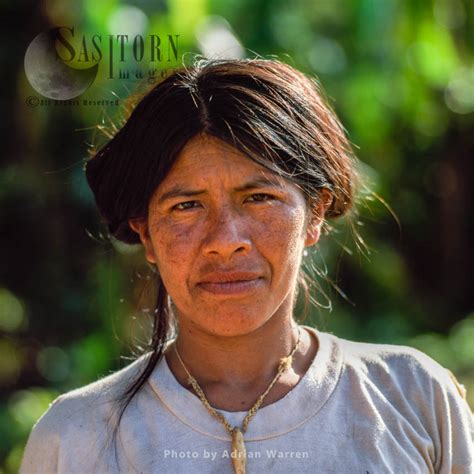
(234, 371)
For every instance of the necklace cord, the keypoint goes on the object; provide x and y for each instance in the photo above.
(284, 364)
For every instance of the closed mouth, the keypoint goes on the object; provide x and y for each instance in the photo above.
(231, 287)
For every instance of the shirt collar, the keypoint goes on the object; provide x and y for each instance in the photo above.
(298, 405)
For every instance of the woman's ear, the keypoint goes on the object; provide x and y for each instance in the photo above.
(140, 226)
(316, 219)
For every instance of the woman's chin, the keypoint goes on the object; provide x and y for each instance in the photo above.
(230, 325)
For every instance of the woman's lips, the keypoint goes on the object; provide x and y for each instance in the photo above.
(231, 287)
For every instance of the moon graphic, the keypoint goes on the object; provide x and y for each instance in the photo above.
(47, 73)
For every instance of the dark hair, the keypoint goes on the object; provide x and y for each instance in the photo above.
(266, 109)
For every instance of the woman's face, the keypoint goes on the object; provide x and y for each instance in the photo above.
(227, 236)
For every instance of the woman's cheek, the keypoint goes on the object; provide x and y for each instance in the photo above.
(172, 242)
(178, 249)
(283, 229)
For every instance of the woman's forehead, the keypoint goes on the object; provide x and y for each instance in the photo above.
(203, 149)
(206, 161)
(207, 157)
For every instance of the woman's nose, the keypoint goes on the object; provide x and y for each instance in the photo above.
(227, 234)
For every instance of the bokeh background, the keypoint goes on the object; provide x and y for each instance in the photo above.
(400, 75)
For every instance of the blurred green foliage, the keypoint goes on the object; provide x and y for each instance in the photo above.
(400, 75)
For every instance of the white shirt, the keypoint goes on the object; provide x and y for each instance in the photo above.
(360, 408)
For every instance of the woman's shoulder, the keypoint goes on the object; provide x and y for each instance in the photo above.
(81, 418)
(399, 366)
(91, 404)
(401, 386)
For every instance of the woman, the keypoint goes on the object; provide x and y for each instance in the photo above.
(226, 172)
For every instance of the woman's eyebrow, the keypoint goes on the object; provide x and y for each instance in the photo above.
(257, 182)
(179, 191)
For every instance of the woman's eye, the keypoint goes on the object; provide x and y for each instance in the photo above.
(184, 206)
(188, 205)
(260, 197)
